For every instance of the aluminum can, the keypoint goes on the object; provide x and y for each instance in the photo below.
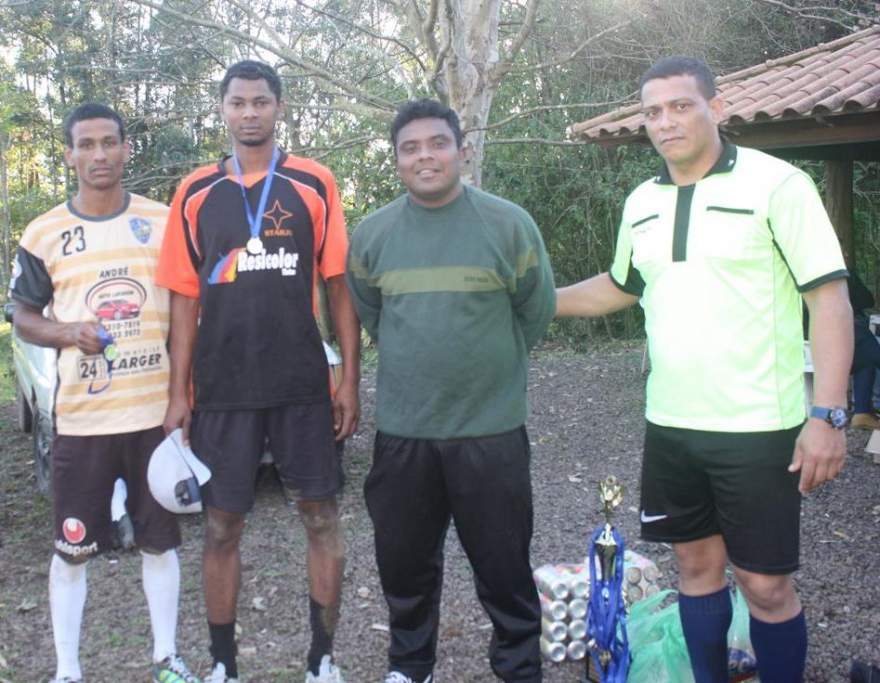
(633, 574)
(633, 593)
(553, 630)
(576, 650)
(577, 608)
(553, 651)
(577, 629)
(551, 582)
(554, 610)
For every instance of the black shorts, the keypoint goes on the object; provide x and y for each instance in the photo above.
(84, 471)
(300, 439)
(696, 484)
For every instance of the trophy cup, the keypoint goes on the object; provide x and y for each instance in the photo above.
(606, 615)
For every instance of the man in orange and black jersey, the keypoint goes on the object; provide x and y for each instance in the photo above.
(248, 241)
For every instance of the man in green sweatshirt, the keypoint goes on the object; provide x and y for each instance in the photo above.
(454, 285)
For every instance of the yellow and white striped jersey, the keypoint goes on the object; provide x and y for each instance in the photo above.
(102, 269)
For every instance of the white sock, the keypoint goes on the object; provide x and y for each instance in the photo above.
(161, 575)
(117, 503)
(67, 599)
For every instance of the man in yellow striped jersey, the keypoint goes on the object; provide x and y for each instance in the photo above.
(83, 284)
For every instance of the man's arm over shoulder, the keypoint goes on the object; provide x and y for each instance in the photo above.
(595, 296)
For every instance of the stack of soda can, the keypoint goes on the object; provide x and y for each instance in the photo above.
(641, 576)
(564, 590)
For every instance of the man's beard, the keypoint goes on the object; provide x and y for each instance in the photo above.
(255, 143)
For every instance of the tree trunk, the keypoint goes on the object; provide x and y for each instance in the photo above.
(5, 216)
(471, 29)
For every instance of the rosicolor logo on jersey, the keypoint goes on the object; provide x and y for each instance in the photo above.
(74, 530)
(239, 261)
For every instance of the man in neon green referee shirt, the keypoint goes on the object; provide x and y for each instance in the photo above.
(719, 249)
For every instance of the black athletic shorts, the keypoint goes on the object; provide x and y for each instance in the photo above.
(84, 471)
(696, 484)
(300, 438)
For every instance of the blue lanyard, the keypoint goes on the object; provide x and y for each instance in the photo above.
(255, 222)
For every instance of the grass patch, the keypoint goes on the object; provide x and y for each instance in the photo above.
(7, 375)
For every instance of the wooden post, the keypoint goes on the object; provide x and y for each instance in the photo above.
(839, 203)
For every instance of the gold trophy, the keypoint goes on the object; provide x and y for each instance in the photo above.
(611, 495)
(604, 558)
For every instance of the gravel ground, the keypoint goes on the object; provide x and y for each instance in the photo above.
(586, 423)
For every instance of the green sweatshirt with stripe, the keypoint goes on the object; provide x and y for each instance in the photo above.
(454, 297)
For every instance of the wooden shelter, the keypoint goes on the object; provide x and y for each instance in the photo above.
(822, 103)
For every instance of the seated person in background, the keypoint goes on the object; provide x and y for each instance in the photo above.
(866, 355)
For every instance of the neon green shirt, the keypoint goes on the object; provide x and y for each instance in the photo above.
(719, 266)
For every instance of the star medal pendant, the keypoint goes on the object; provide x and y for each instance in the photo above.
(254, 245)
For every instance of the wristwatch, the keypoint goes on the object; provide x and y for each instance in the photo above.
(837, 417)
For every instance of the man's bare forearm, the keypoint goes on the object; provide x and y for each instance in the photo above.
(348, 329)
(181, 341)
(33, 327)
(591, 298)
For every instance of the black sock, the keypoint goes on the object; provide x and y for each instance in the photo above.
(705, 620)
(323, 621)
(780, 648)
(223, 648)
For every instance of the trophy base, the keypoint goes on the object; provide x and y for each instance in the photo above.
(592, 673)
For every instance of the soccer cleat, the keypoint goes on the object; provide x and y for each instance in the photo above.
(218, 675)
(397, 677)
(66, 679)
(328, 672)
(172, 669)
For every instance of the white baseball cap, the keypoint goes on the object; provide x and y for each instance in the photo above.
(175, 475)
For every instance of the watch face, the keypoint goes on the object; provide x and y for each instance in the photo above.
(838, 418)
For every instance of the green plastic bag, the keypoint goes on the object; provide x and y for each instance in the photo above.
(656, 642)
(740, 653)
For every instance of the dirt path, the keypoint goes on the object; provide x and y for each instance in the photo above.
(586, 423)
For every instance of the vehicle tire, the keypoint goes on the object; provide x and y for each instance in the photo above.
(23, 416)
(42, 453)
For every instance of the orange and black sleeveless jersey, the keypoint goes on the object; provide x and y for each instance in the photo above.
(258, 343)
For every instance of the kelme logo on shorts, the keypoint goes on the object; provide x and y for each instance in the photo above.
(74, 530)
(239, 261)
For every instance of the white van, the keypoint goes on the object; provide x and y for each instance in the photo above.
(36, 377)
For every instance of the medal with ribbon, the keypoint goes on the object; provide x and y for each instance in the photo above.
(255, 221)
(110, 352)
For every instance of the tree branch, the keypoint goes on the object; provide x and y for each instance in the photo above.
(368, 31)
(524, 31)
(536, 141)
(278, 49)
(580, 48)
(548, 107)
(802, 12)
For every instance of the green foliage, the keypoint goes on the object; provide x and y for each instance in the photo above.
(7, 378)
(162, 74)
